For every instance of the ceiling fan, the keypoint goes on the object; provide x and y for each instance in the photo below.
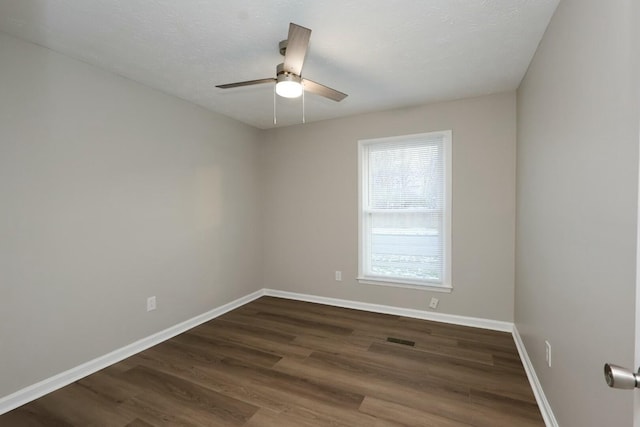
(289, 81)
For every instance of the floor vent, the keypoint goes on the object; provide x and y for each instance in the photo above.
(401, 341)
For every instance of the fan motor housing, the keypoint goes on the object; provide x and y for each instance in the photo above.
(285, 76)
(282, 46)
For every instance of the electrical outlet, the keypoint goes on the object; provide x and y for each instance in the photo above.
(151, 303)
(434, 303)
(338, 276)
(547, 352)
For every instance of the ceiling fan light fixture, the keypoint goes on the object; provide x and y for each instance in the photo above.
(289, 85)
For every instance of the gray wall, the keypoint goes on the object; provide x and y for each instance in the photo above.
(310, 205)
(577, 208)
(111, 192)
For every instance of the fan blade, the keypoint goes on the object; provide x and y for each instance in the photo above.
(322, 90)
(297, 44)
(247, 83)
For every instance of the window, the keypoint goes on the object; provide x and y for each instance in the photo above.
(405, 211)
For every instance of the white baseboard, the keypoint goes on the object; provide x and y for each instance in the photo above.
(543, 403)
(62, 379)
(495, 325)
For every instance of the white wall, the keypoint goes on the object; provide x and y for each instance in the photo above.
(310, 205)
(111, 192)
(577, 208)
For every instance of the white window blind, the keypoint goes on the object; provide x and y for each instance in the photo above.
(405, 210)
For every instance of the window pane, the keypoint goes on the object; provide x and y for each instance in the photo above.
(407, 245)
(405, 176)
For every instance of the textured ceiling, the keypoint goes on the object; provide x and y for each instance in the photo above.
(384, 54)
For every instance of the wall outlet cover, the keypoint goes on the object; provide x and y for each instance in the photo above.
(547, 352)
(151, 303)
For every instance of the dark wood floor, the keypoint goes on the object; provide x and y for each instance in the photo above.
(277, 362)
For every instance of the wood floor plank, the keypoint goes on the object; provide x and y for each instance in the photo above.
(295, 386)
(290, 325)
(251, 329)
(333, 345)
(394, 330)
(247, 382)
(188, 401)
(457, 353)
(341, 317)
(227, 349)
(502, 340)
(444, 402)
(406, 416)
(221, 380)
(233, 332)
(302, 418)
(493, 379)
(268, 418)
(71, 406)
(279, 362)
(109, 384)
(490, 410)
(33, 415)
(139, 423)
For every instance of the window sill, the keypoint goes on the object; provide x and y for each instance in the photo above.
(409, 285)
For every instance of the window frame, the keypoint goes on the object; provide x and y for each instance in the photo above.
(445, 285)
